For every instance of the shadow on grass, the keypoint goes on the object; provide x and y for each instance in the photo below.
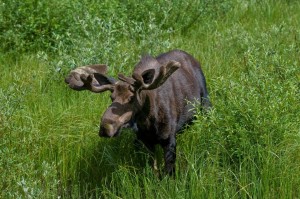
(99, 163)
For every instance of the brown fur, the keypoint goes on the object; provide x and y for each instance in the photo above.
(154, 100)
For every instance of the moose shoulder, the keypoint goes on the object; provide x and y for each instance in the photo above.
(155, 98)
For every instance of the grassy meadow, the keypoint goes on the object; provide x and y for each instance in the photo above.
(248, 146)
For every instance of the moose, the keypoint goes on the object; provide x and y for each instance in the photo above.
(155, 100)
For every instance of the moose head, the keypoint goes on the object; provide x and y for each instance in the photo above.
(126, 92)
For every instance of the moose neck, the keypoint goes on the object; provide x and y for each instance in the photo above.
(144, 105)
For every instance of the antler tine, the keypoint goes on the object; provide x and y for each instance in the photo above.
(123, 78)
(99, 89)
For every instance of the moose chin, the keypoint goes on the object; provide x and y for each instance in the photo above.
(154, 101)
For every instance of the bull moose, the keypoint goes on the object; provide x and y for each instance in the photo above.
(155, 98)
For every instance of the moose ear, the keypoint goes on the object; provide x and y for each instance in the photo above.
(148, 76)
(91, 77)
(153, 81)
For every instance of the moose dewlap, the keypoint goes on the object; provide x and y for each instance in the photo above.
(153, 101)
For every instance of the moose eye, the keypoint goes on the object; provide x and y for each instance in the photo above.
(131, 98)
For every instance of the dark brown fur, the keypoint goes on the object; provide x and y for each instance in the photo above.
(155, 99)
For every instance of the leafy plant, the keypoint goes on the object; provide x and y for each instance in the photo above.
(246, 147)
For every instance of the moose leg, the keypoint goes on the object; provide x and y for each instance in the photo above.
(169, 147)
(152, 160)
(139, 144)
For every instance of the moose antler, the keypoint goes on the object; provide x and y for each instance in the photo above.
(91, 77)
(128, 80)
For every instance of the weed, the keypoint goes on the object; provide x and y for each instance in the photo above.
(247, 146)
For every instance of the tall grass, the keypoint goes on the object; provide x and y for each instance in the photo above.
(248, 146)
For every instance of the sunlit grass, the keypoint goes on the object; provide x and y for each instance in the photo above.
(248, 146)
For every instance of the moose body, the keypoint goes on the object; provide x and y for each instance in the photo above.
(157, 98)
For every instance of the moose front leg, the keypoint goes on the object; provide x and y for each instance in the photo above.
(169, 147)
(139, 143)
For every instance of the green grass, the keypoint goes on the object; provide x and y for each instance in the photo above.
(248, 146)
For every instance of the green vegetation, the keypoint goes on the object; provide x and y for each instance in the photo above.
(248, 146)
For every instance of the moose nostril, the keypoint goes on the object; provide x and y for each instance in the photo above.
(102, 132)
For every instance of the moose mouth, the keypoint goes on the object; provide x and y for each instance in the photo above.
(109, 132)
